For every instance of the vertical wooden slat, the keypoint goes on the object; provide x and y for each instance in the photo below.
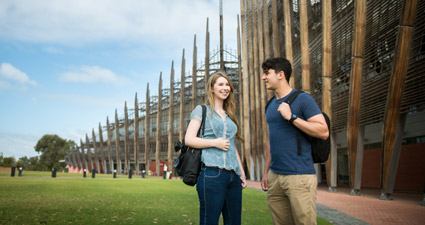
(194, 78)
(275, 25)
(327, 83)
(136, 134)
(126, 149)
(171, 116)
(240, 88)
(305, 56)
(102, 151)
(221, 38)
(262, 98)
(95, 151)
(395, 92)
(182, 80)
(257, 122)
(207, 59)
(147, 130)
(109, 133)
(355, 85)
(158, 126)
(83, 156)
(89, 154)
(245, 86)
(117, 143)
(288, 37)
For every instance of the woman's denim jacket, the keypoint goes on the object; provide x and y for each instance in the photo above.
(217, 127)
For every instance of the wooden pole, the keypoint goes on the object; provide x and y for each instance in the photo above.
(240, 76)
(95, 151)
(245, 86)
(221, 38)
(327, 82)
(182, 80)
(288, 37)
(355, 86)
(304, 46)
(263, 91)
(267, 51)
(255, 78)
(147, 130)
(89, 155)
(126, 150)
(117, 143)
(395, 93)
(158, 126)
(136, 134)
(171, 117)
(275, 25)
(83, 156)
(194, 76)
(102, 151)
(109, 133)
(207, 60)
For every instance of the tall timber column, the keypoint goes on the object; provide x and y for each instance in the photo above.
(245, 85)
(263, 92)
(304, 46)
(181, 134)
(95, 152)
(267, 50)
(331, 164)
(240, 77)
(83, 156)
(158, 126)
(355, 92)
(136, 134)
(80, 158)
(207, 60)
(171, 117)
(221, 38)
(126, 150)
(256, 100)
(288, 37)
(89, 154)
(393, 126)
(147, 128)
(109, 133)
(194, 78)
(117, 142)
(101, 149)
(275, 26)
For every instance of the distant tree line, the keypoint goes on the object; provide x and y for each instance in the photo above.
(51, 148)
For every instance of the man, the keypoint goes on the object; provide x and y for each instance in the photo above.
(289, 177)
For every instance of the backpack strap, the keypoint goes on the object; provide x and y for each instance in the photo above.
(289, 100)
(204, 113)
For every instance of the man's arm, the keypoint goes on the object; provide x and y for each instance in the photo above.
(266, 166)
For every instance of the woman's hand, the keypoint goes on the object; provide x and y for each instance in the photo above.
(222, 143)
(243, 179)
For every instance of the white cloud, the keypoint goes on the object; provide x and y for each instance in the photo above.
(92, 74)
(9, 72)
(18, 145)
(80, 21)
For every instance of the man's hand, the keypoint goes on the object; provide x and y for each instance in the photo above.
(285, 110)
(264, 183)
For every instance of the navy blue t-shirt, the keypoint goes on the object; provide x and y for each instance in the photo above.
(283, 136)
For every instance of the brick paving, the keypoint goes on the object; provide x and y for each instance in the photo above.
(367, 208)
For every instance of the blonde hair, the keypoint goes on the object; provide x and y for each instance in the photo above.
(228, 104)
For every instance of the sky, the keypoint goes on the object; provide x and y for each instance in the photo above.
(65, 66)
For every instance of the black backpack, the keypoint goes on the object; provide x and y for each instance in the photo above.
(320, 149)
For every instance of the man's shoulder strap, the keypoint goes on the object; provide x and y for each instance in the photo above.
(292, 96)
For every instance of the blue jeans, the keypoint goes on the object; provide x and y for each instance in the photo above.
(219, 191)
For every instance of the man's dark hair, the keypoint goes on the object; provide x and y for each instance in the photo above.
(278, 64)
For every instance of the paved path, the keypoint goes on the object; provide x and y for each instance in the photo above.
(342, 208)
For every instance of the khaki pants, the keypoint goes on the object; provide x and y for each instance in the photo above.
(292, 198)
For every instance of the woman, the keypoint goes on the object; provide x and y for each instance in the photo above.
(222, 176)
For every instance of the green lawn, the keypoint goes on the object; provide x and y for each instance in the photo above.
(36, 198)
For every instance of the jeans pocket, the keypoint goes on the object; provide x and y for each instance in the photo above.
(212, 172)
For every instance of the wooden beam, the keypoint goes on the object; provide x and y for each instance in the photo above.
(207, 60)
(221, 38)
(95, 152)
(288, 37)
(275, 25)
(102, 153)
(327, 84)
(136, 134)
(89, 155)
(194, 78)
(245, 86)
(256, 100)
(240, 88)
(262, 89)
(147, 130)
(171, 117)
(182, 80)
(158, 126)
(395, 91)
(117, 143)
(355, 85)
(126, 144)
(83, 156)
(305, 50)
(109, 133)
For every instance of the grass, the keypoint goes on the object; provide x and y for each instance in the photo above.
(36, 198)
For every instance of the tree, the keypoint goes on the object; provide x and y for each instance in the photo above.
(7, 162)
(52, 149)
